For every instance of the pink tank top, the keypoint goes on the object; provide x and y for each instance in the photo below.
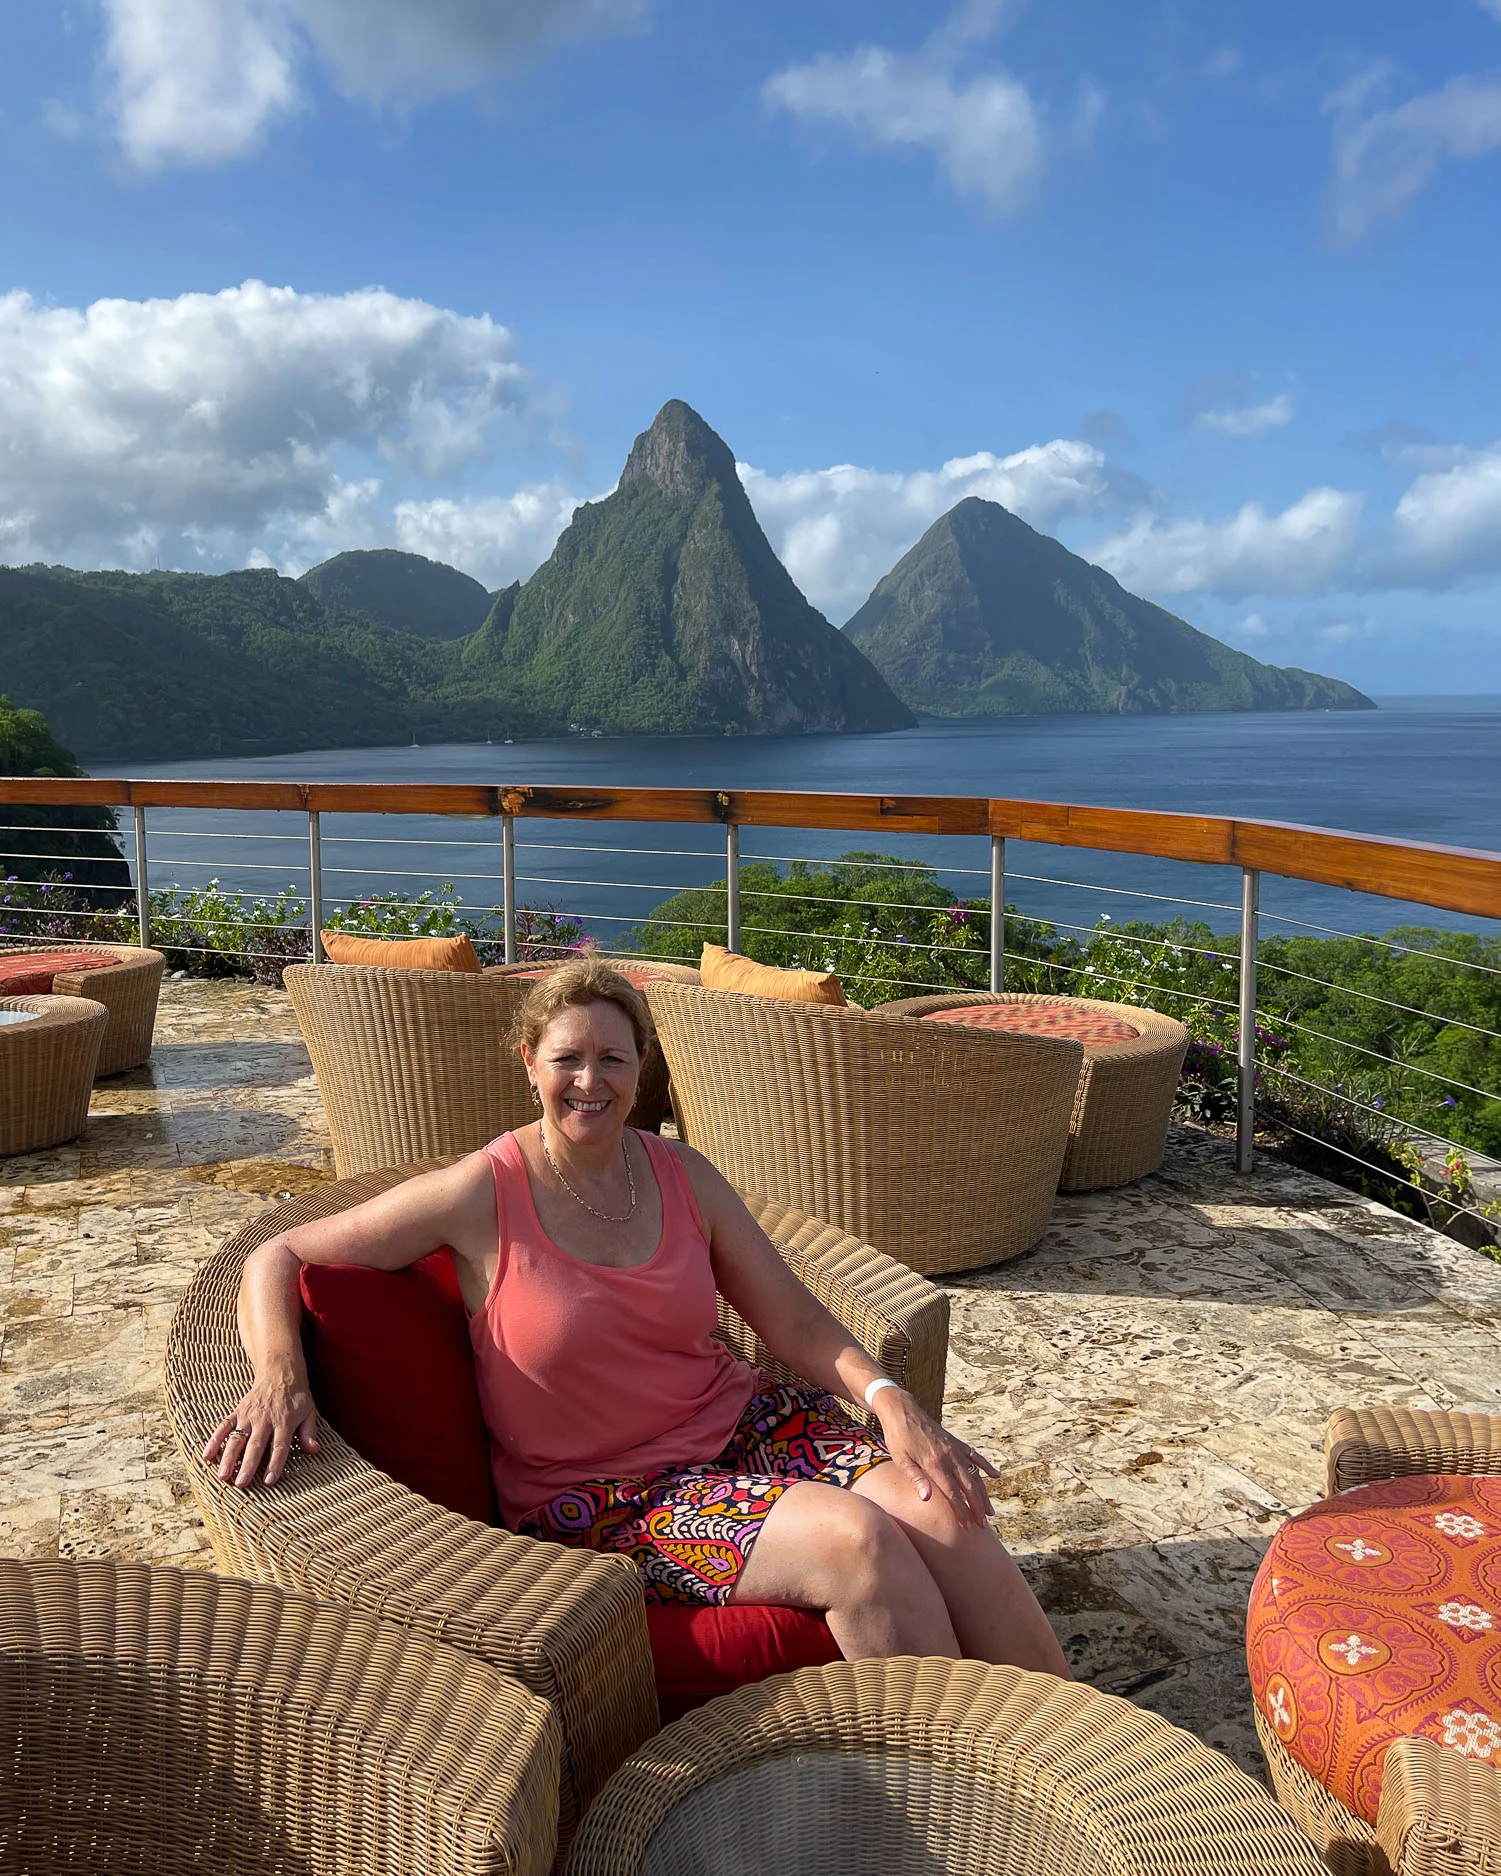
(592, 1373)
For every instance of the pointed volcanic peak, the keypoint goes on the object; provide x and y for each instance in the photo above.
(407, 592)
(987, 617)
(663, 610)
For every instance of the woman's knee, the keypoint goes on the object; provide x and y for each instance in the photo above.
(872, 1554)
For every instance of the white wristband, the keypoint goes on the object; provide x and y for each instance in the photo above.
(875, 1387)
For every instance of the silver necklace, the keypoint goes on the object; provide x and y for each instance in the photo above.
(609, 1217)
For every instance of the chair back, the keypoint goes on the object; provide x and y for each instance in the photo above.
(940, 1146)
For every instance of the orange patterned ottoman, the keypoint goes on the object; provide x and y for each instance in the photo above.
(1375, 1615)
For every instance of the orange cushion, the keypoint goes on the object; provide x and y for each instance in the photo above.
(401, 954)
(1377, 1615)
(727, 970)
(1078, 1021)
(30, 973)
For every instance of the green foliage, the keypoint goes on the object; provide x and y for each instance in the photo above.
(39, 842)
(404, 591)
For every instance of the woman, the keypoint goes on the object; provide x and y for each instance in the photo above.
(588, 1256)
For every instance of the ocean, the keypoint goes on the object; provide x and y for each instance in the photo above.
(1418, 768)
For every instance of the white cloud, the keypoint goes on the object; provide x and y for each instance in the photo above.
(1305, 549)
(986, 131)
(839, 530)
(203, 81)
(198, 427)
(1384, 157)
(495, 538)
(1249, 419)
(1446, 528)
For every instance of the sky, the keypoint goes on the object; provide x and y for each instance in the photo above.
(1206, 288)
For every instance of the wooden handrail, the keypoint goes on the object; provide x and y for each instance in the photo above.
(1456, 879)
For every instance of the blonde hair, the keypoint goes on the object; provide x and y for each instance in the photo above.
(570, 986)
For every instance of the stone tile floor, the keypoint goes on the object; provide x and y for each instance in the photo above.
(1153, 1378)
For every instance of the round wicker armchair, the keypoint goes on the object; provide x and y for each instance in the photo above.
(1126, 1088)
(569, 1624)
(931, 1768)
(940, 1146)
(158, 1720)
(47, 1067)
(129, 989)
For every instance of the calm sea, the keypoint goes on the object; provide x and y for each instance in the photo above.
(1420, 768)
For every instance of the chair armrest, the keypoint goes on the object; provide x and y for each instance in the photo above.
(1440, 1813)
(269, 1731)
(1363, 1444)
(570, 1625)
(898, 1317)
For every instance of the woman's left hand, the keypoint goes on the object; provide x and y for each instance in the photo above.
(933, 1458)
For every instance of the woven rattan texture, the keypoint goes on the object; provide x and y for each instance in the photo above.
(568, 1624)
(941, 1146)
(1125, 1094)
(47, 1068)
(129, 991)
(1364, 1444)
(411, 1065)
(933, 1767)
(153, 1720)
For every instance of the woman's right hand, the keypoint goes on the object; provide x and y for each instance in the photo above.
(274, 1420)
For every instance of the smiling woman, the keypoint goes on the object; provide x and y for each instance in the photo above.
(590, 1257)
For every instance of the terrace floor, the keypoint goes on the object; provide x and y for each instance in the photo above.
(1152, 1379)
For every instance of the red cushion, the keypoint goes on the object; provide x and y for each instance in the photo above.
(30, 973)
(698, 1653)
(1080, 1022)
(1376, 1615)
(391, 1365)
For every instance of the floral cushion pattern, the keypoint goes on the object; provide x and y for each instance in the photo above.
(1377, 1615)
(1080, 1022)
(30, 973)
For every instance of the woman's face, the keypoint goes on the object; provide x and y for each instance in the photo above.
(585, 1067)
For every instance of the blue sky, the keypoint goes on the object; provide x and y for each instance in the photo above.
(1208, 288)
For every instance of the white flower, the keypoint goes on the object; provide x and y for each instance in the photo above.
(1459, 1524)
(1466, 1615)
(1473, 1735)
(1360, 1550)
(1352, 1649)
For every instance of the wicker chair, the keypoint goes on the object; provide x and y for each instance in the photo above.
(569, 1624)
(47, 1067)
(940, 1145)
(931, 1768)
(654, 1093)
(1125, 1094)
(157, 1720)
(129, 990)
(1440, 1814)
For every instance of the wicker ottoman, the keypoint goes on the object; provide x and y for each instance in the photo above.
(931, 1768)
(128, 986)
(653, 1092)
(1374, 1645)
(1132, 1060)
(49, 1052)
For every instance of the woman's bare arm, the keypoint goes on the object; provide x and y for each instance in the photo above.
(455, 1206)
(805, 1337)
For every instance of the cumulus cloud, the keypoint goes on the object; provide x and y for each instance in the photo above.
(1446, 528)
(203, 81)
(986, 130)
(1221, 401)
(1307, 548)
(195, 428)
(494, 538)
(1384, 156)
(838, 530)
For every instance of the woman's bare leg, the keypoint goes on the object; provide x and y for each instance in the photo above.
(823, 1548)
(994, 1614)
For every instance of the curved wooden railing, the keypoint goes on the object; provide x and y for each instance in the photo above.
(1457, 879)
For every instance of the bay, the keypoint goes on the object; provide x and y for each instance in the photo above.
(1418, 768)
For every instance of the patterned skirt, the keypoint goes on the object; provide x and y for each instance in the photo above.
(691, 1532)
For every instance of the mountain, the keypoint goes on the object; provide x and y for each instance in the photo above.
(987, 617)
(404, 591)
(663, 610)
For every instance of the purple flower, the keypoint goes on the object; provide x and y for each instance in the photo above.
(959, 914)
(1449, 1101)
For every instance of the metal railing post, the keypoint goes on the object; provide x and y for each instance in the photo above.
(732, 887)
(997, 912)
(1245, 1119)
(143, 896)
(315, 882)
(508, 885)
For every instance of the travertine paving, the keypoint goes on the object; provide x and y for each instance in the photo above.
(1152, 1379)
